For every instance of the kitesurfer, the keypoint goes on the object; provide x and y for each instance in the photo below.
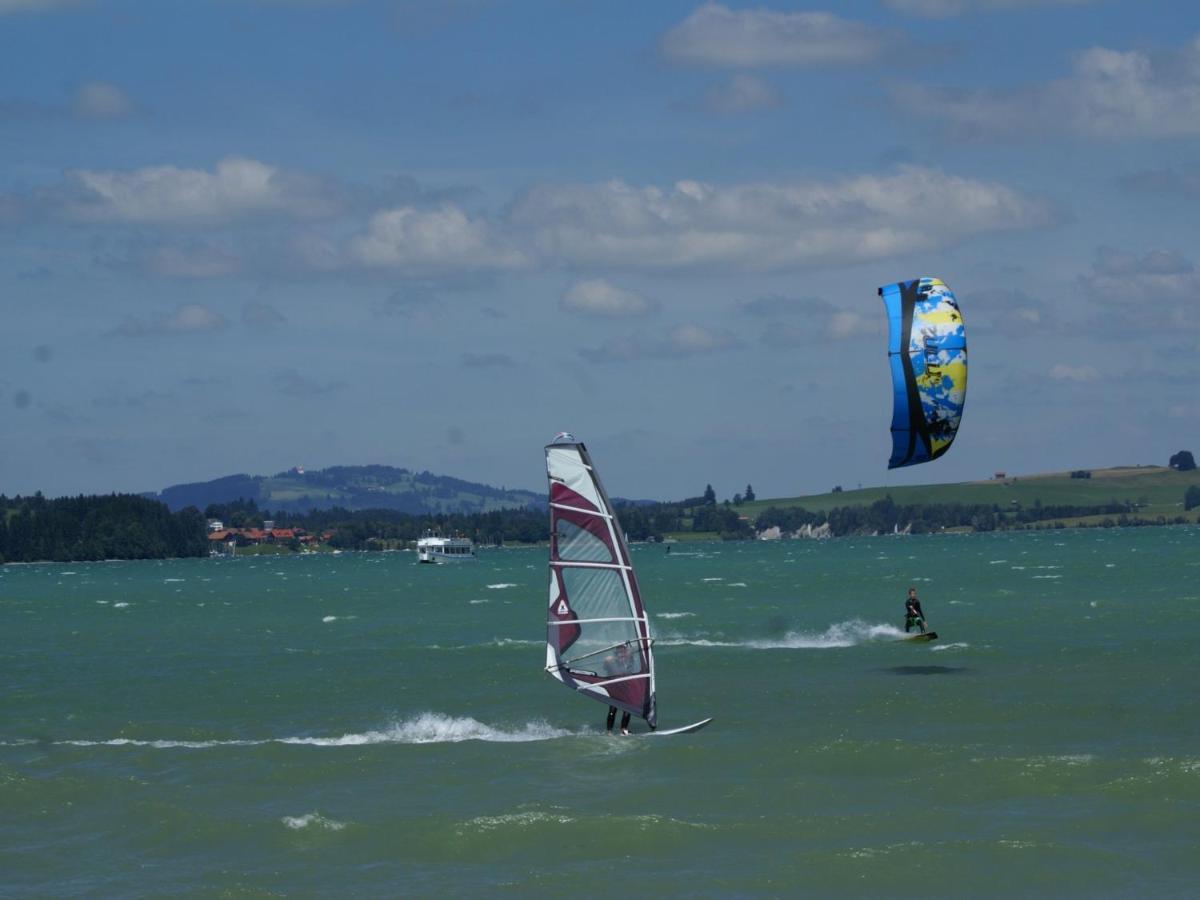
(913, 615)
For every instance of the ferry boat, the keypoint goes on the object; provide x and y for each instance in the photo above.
(434, 548)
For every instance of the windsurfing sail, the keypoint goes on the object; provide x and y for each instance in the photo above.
(927, 348)
(597, 634)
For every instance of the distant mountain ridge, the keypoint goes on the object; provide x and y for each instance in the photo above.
(353, 488)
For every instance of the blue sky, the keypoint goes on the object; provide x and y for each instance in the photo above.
(238, 236)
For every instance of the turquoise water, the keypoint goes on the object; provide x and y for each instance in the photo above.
(362, 725)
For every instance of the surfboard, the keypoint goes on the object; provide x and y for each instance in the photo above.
(686, 729)
(927, 636)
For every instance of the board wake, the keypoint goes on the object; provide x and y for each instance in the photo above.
(927, 636)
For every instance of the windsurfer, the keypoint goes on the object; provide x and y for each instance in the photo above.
(913, 615)
(619, 662)
(612, 715)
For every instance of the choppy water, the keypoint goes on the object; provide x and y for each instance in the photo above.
(363, 725)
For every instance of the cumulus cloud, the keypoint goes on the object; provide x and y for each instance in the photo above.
(1064, 372)
(822, 321)
(1011, 311)
(238, 188)
(1110, 94)
(681, 341)
(942, 9)
(598, 297)
(190, 318)
(742, 93)
(442, 238)
(100, 100)
(1155, 291)
(766, 226)
(715, 35)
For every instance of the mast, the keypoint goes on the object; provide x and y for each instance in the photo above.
(598, 637)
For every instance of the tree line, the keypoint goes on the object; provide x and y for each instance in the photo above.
(116, 526)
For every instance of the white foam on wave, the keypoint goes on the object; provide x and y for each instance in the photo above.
(1048, 577)
(840, 634)
(173, 580)
(673, 615)
(737, 584)
(426, 728)
(435, 728)
(712, 579)
(477, 602)
(954, 645)
(330, 619)
(312, 820)
(502, 585)
(120, 605)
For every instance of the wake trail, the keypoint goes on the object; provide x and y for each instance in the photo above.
(840, 634)
(426, 728)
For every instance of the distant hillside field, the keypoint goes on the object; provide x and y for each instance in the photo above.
(353, 488)
(1156, 490)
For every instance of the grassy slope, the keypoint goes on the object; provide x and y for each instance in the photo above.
(1159, 488)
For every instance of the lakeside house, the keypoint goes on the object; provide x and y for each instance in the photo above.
(247, 537)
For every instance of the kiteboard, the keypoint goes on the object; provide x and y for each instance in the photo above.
(927, 636)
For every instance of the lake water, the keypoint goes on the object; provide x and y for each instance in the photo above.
(362, 725)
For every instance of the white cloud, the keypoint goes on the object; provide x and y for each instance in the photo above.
(941, 9)
(767, 226)
(689, 340)
(681, 341)
(1110, 94)
(598, 297)
(445, 237)
(715, 35)
(99, 100)
(742, 93)
(1064, 372)
(237, 188)
(1158, 291)
(850, 324)
(190, 318)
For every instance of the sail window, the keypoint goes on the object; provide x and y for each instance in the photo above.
(579, 545)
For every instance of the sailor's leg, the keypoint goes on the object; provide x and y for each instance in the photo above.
(612, 715)
(625, 724)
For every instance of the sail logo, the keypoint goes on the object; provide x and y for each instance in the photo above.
(562, 608)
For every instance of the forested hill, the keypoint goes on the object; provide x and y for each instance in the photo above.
(352, 488)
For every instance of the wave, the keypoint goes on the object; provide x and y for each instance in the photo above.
(841, 634)
(426, 728)
(956, 645)
(502, 585)
(312, 820)
(673, 615)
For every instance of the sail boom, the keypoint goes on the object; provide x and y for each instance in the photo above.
(600, 684)
(580, 564)
(554, 624)
(586, 512)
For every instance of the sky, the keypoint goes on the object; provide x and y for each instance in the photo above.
(245, 235)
